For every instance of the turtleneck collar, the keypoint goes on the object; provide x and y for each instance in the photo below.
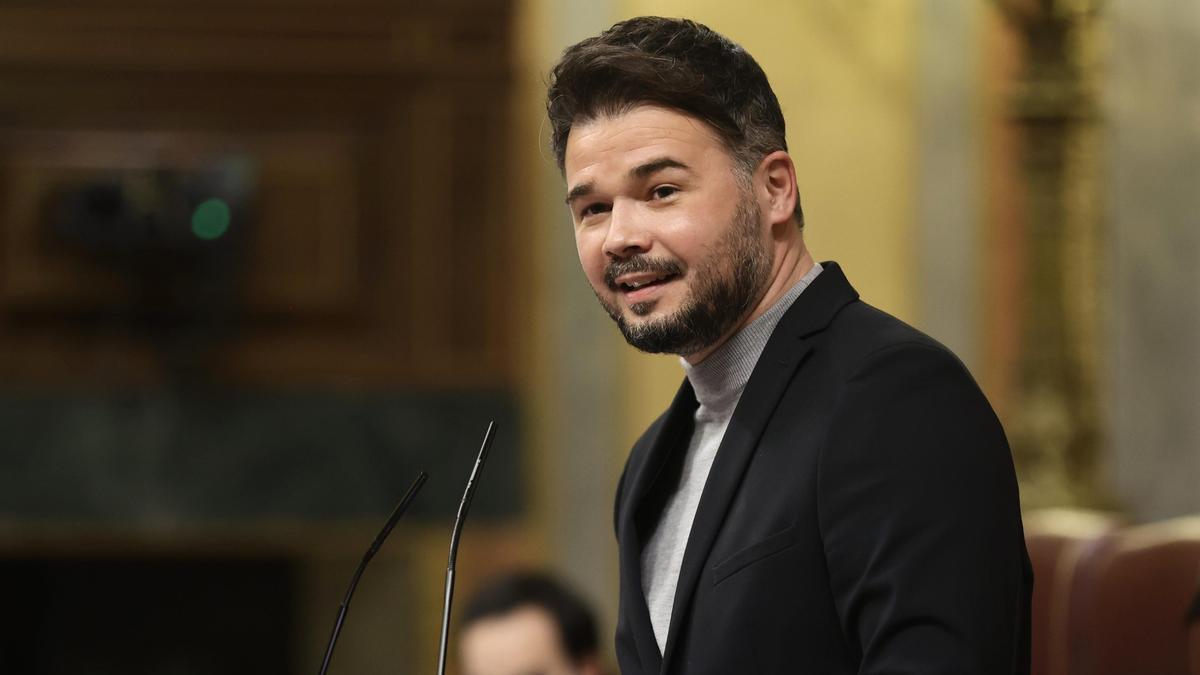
(719, 379)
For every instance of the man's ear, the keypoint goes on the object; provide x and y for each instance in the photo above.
(775, 181)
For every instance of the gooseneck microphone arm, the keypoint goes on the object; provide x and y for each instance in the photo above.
(463, 507)
(371, 551)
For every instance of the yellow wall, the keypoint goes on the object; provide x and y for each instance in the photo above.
(844, 76)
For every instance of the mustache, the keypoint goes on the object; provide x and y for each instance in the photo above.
(637, 264)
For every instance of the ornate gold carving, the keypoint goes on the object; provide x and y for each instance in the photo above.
(1055, 426)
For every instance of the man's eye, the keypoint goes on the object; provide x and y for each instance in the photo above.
(664, 191)
(593, 209)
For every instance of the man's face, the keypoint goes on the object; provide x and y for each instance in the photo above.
(524, 641)
(667, 231)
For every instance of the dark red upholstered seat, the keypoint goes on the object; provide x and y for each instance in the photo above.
(1129, 601)
(1057, 539)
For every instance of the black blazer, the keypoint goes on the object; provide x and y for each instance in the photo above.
(861, 515)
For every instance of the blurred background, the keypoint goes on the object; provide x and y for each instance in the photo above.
(262, 261)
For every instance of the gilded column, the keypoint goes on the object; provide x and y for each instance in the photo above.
(1055, 427)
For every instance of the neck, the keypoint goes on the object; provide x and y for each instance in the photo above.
(790, 266)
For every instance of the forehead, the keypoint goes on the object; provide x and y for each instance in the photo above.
(523, 640)
(615, 143)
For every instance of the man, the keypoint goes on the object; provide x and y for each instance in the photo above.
(528, 624)
(829, 492)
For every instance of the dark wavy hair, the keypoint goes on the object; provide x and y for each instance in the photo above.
(674, 63)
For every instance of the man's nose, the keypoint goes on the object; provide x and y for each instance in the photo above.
(627, 233)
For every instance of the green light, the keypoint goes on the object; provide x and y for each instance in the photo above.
(211, 219)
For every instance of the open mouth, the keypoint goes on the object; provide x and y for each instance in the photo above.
(640, 280)
(637, 284)
(643, 286)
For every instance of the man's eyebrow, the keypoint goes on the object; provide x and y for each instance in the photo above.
(581, 190)
(639, 171)
(656, 165)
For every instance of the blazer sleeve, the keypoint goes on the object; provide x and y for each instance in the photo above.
(920, 520)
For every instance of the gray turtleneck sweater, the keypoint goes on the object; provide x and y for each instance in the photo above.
(718, 382)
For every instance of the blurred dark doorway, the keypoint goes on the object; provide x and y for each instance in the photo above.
(133, 617)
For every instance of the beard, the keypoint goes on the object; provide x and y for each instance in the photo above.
(728, 283)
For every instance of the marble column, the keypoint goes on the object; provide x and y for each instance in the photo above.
(1153, 108)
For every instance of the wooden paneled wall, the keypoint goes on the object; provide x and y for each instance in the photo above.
(379, 250)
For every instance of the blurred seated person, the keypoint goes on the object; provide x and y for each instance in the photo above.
(527, 623)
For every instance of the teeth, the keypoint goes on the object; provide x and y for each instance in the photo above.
(634, 285)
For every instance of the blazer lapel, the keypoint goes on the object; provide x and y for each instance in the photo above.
(737, 447)
(678, 420)
(783, 354)
(671, 434)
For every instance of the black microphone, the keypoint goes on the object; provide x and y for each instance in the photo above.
(463, 507)
(371, 551)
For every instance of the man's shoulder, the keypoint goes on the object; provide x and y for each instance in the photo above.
(876, 352)
(862, 335)
(863, 328)
(831, 318)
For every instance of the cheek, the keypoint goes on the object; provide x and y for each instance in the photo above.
(591, 256)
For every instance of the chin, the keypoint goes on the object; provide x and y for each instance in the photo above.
(647, 313)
